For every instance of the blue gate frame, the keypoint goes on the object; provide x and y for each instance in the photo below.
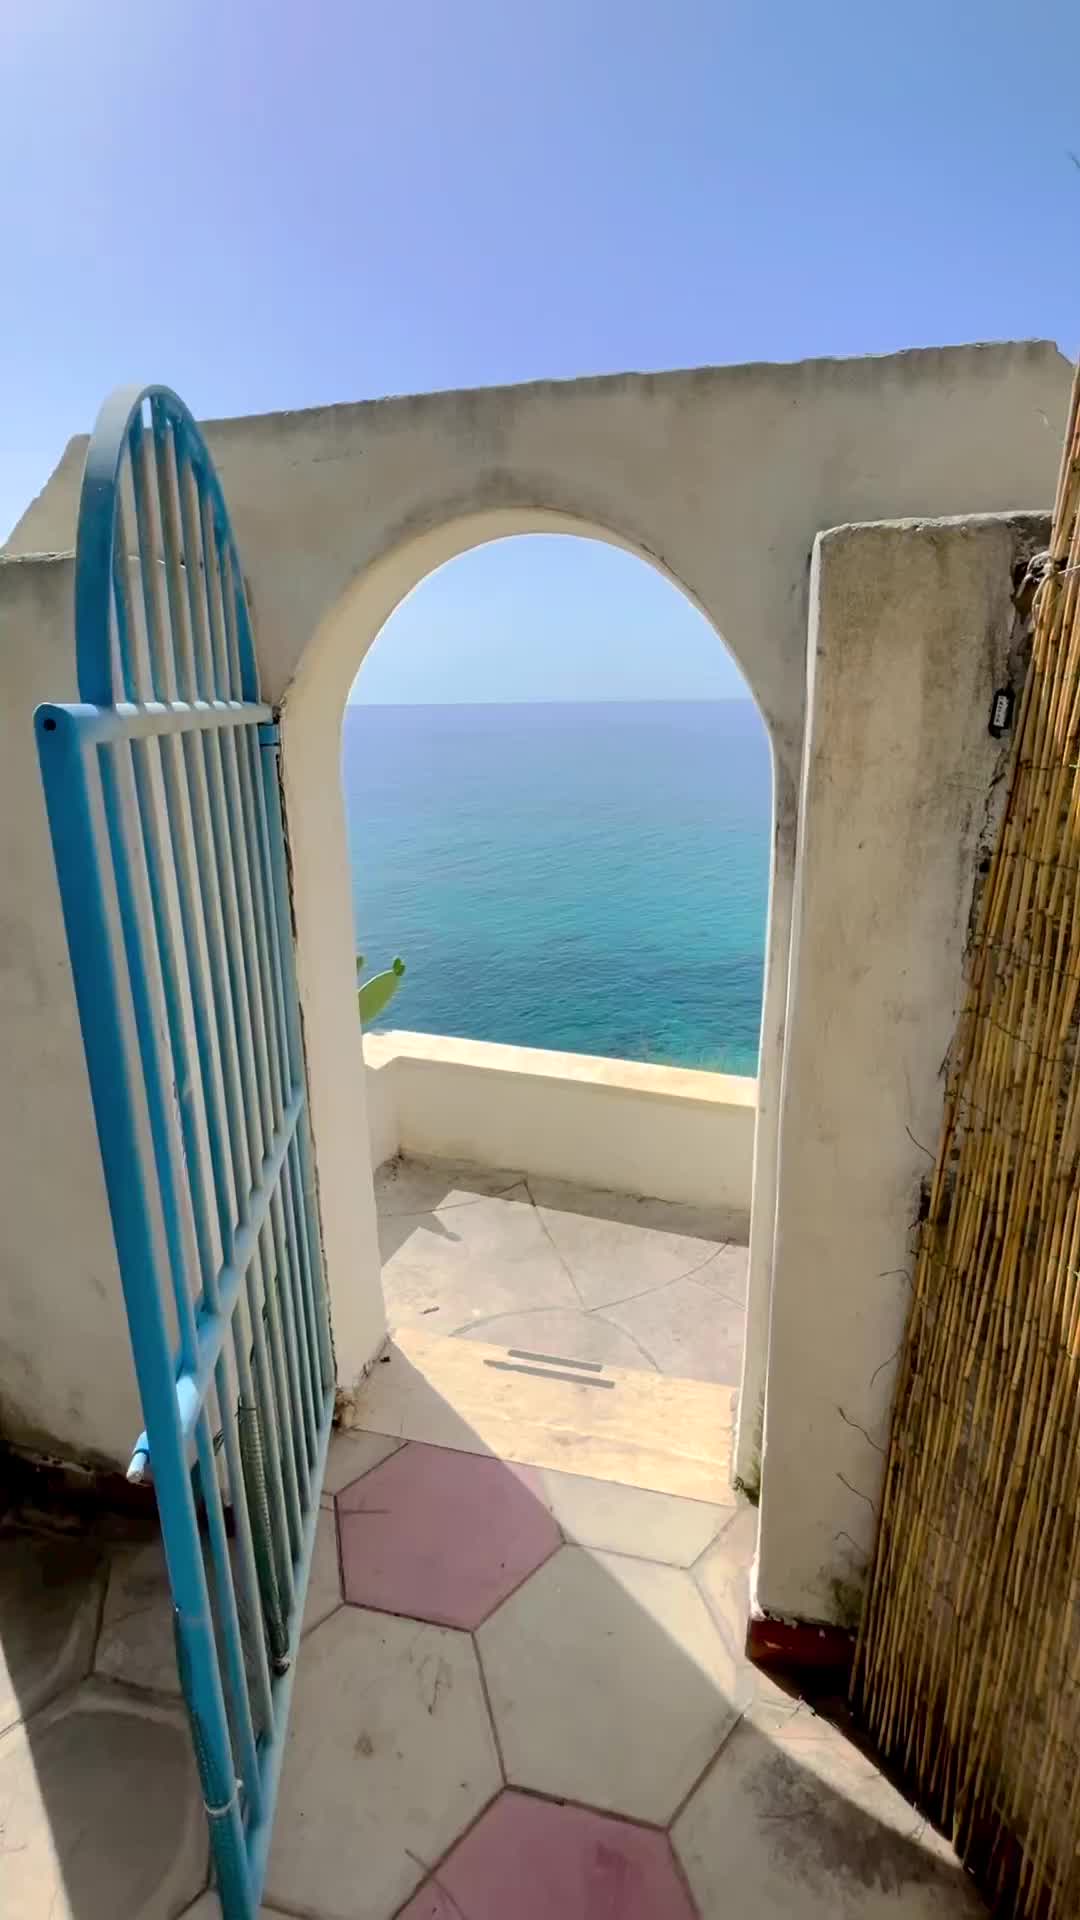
(163, 796)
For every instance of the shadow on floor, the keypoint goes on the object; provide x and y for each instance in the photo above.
(521, 1692)
(99, 1808)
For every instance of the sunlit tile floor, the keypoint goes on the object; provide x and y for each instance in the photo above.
(518, 1261)
(521, 1694)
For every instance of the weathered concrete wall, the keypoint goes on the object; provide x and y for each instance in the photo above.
(722, 476)
(669, 1133)
(911, 629)
(65, 1371)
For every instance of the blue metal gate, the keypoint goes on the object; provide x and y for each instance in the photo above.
(164, 806)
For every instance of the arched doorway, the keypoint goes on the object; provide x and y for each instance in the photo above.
(310, 721)
(558, 791)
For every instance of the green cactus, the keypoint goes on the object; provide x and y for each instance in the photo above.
(376, 994)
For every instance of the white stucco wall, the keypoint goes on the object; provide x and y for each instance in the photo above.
(66, 1379)
(721, 478)
(665, 1132)
(380, 1099)
(910, 633)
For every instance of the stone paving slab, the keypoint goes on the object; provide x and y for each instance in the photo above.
(448, 1270)
(632, 1520)
(687, 1330)
(562, 1333)
(614, 1670)
(324, 1581)
(100, 1811)
(136, 1643)
(640, 1430)
(530, 1859)
(616, 1246)
(390, 1756)
(50, 1598)
(674, 1217)
(568, 1271)
(727, 1273)
(352, 1454)
(798, 1825)
(609, 1683)
(442, 1535)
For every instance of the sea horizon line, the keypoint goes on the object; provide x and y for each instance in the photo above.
(644, 700)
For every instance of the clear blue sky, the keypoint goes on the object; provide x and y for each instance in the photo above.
(282, 205)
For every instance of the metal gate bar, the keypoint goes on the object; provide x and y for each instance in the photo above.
(163, 796)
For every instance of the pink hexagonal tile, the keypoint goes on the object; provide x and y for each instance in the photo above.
(442, 1536)
(540, 1860)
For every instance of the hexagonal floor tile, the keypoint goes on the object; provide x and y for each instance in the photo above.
(610, 1683)
(390, 1755)
(50, 1593)
(723, 1575)
(442, 1536)
(536, 1860)
(353, 1454)
(634, 1520)
(793, 1819)
(324, 1581)
(100, 1811)
(137, 1643)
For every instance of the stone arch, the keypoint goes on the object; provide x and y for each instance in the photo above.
(311, 722)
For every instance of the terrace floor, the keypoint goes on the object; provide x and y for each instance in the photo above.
(522, 1693)
(518, 1261)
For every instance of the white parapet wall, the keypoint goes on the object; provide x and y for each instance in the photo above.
(669, 1132)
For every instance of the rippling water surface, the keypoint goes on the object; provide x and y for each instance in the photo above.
(588, 877)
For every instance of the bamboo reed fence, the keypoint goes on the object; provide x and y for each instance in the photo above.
(967, 1671)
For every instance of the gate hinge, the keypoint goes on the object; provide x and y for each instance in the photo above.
(269, 733)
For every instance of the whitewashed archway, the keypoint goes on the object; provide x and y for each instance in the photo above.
(311, 724)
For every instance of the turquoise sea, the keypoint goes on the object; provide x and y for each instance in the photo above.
(588, 877)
